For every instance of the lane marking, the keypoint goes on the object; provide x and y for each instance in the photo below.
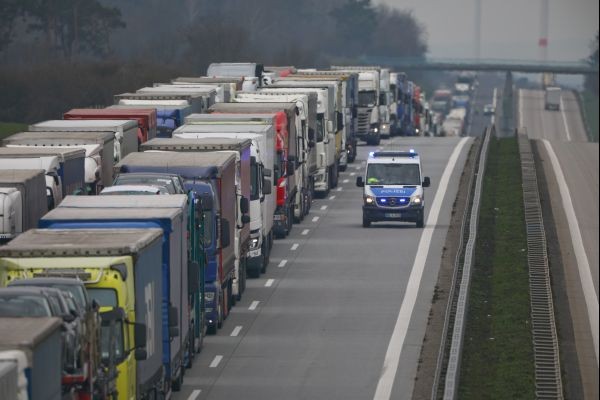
(394, 350)
(521, 108)
(339, 189)
(294, 246)
(331, 197)
(493, 118)
(564, 118)
(352, 173)
(323, 207)
(269, 282)
(282, 263)
(253, 305)
(215, 362)
(346, 181)
(583, 265)
(194, 395)
(315, 219)
(305, 232)
(236, 331)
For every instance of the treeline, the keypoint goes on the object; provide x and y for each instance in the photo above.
(91, 49)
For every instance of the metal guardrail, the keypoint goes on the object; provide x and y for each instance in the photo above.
(548, 381)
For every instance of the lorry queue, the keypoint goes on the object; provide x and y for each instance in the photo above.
(129, 232)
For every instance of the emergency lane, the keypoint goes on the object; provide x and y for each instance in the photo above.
(322, 326)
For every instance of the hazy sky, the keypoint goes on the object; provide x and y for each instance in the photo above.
(510, 28)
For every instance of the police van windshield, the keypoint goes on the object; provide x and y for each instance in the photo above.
(393, 174)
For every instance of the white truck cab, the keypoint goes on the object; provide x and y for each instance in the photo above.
(393, 188)
(50, 165)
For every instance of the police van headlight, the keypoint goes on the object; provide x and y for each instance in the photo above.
(369, 199)
(416, 200)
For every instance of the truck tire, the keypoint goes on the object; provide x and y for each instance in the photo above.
(265, 258)
(366, 221)
(178, 382)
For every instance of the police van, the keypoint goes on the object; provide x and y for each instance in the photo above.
(393, 188)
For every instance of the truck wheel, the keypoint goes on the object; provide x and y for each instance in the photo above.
(366, 221)
(211, 329)
(420, 220)
(178, 382)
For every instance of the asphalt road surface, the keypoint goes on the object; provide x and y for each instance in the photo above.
(570, 164)
(342, 310)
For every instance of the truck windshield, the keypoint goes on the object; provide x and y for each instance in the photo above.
(104, 297)
(320, 127)
(24, 306)
(393, 174)
(367, 98)
(254, 181)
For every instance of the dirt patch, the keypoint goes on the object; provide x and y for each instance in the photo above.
(435, 324)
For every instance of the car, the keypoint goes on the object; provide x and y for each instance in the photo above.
(489, 109)
(133, 189)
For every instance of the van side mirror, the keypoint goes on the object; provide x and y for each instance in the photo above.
(267, 188)
(225, 239)
(330, 126)
(244, 205)
(360, 182)
(139, 335)
(193, 277)
(426, 182)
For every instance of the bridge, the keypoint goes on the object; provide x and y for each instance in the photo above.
(497, 65)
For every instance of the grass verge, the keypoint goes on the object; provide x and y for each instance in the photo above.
(8, 128)
(590, 113)
(497, 361)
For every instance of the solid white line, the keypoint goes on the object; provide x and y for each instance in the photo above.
(282, 263)
(394, 350)
(521, 117)
(294, 246)
(323, 207)
(194, 395)
(339, 189)
(236, 331)
(493, 118)
(331, 197)
(253, 305)
(305, 232)
(564, 118)
(315, 219)
(269, 282)
(583, 265)
(346, 181)
(215, 362)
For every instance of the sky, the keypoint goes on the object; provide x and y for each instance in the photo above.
(510, 28)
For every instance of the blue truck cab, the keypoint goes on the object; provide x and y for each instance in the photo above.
(393, 188)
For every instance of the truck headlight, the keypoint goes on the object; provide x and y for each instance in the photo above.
(369, 199)
(254, 243)
(209, 296)
(416, 200)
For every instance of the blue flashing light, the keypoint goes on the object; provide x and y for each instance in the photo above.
(371, 154)
(383, 200)
(412, 151)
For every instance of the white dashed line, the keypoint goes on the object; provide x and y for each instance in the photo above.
(323, 207)
(282, 263)
(236, 330)
(305, 232)
(194, 395)
(352, 173)
(315, 219)
(346, 181)
(215, 362)
(339, 189)
(253, 305)
(295, 246)
(331, 197)
(269, 282)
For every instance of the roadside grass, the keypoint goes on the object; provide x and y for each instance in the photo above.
(497, 360)
(590, 113)
(8, 128)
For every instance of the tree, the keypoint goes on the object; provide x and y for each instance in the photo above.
(398, 34)
(355, 23)
(9, 10)
(591, 81)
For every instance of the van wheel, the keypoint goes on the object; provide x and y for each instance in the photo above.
(420, 220)
(366, 221)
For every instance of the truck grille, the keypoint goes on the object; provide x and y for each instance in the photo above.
(364, 118)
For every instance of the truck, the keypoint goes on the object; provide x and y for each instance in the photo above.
(208, 92)
(33, 347)
(145, 117)
(244, 170)
(286, 162)
(252, 73)
(441, 101)
(210, 177)
(125, 131)
(170, 214)
(231, 85)
(369, 90)
(169, 113)
(454, 123)
(327, 135)
(22, 200)
(121, 270)
(262, 200)
(98, 146)
(222, 90)
(552, 98)
(64, 168)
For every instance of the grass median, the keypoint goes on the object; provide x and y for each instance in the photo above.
(590, 113)
(8, 128)
(497, 361)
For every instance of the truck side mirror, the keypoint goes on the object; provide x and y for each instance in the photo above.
(244, 205)
(360, 182)
(330, 126)
(354, 112)
(311, 134)
(311, 144)
(173, 316)
(139, 335)
(140, 354)
(245, 219)
(291, 167)
(267, 188)
(206, 202)
(340, 120)
(426, 182)
(193, 277)
(267, 172)
(225, 239)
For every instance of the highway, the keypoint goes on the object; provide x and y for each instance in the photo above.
(570, 165)
(343, 324)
